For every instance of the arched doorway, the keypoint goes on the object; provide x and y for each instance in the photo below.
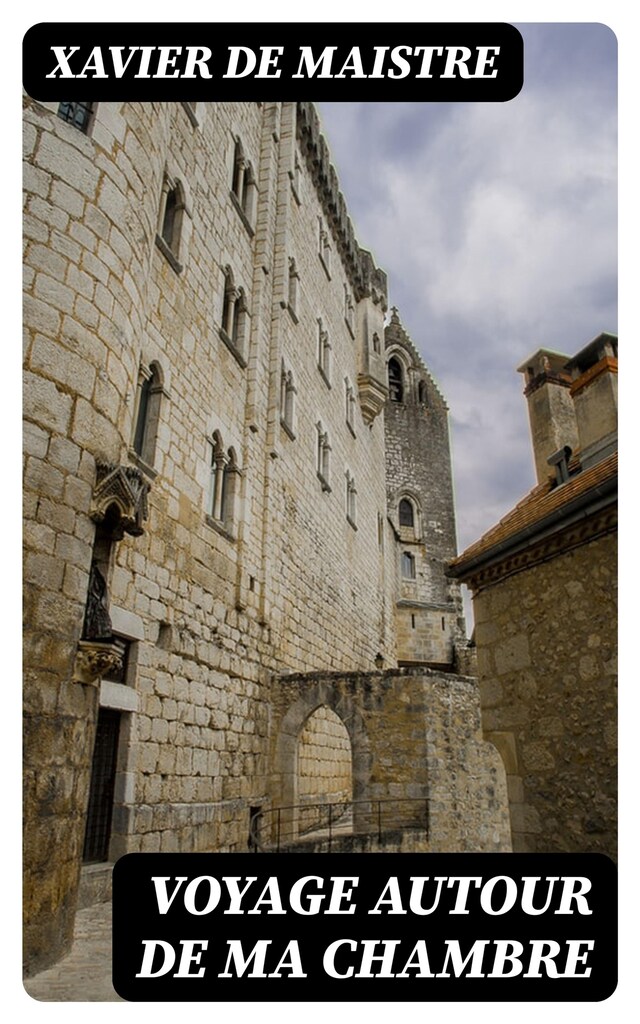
(331, 694)
(324, 772)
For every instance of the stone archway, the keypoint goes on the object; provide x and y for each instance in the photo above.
(324, 773)
(329, 694)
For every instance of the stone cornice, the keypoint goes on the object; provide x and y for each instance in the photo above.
(547, 377)
(551, 546)
(366, 279)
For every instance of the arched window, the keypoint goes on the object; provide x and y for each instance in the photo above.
(351, 494)
(148, 412)
(406, 515)
(169, 220)
(324, 249)
(233, 330)
(323, 457)
(224, 483)
(324, 352)
(243, 186)
(172, 208)
(349, 311)
(396, 387)
(287, 401)
(292, 289)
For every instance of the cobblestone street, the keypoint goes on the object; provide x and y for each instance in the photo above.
(85, 974)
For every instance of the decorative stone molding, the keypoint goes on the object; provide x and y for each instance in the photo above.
(366, 279)
(372, 395)
(94, 659)
(126, 488)
(549, 547)
(398, 343)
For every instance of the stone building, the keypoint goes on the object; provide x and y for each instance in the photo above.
(238, 507)
(544, 588)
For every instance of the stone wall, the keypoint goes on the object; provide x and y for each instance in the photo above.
(257, 320)
(88, 233)
(212, 602)
(416, 745)
(324, 770)
(429, 619)
(548, 676)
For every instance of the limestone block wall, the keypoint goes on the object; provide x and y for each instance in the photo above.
(326, 579)
(281, 579)
(324, 758)
(548, 677)
(416, 743)
(324, 768)
(88, 228)
(426, 637)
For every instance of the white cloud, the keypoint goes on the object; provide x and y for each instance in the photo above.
(496, 226)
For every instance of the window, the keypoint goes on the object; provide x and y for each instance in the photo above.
(349, 312)
(243, 187)
(350, 402)
(191, 110)
(172, 206)
(324, 353)
(149, 395)
(323, 455)
(224, 483)
(351, 500)
(287, 401)
(234, 318)
(324, 249)
(292, 290)
(101, 788)
(405, 513)
(294, 175)
(77, 114)
(408, 566)
(396, 387)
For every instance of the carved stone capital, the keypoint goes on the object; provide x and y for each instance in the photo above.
(95, 658)
(125, 488)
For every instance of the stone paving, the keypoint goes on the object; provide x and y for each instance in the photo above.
(85, 974)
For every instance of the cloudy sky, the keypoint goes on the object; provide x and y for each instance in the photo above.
(496, 224)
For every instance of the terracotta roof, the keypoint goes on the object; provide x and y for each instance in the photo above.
(540, 503)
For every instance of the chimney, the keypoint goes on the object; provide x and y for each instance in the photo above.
(594, 389)
(552, 417)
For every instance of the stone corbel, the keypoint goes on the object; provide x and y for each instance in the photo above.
(373, 395)
(96, 658)
(125, 488)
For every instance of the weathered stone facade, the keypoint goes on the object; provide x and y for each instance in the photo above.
(547, 663)
(429, 620)
(545, 602)
(206, 506)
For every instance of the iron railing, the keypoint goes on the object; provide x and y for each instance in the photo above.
(277, 827)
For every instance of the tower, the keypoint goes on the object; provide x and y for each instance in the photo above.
(420, 507)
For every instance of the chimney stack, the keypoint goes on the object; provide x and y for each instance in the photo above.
(552, 417)
(594, 390)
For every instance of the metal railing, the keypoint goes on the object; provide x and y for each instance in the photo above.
(277, 827)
